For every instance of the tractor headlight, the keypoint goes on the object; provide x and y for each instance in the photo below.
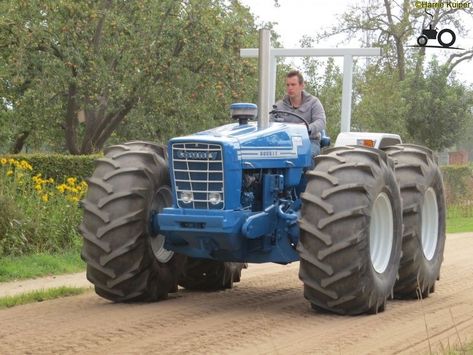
(215, 198)
(187, 196)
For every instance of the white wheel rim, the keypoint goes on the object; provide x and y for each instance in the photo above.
(381, 232)
(162, 199)
(430, 223)
(157, 244)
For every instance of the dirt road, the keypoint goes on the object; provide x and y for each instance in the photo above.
(264, 314)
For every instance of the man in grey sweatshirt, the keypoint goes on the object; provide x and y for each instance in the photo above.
(303, 104)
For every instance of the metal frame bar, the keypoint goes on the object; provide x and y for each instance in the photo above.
(346, 53)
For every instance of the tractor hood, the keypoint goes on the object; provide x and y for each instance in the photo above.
(283, 141)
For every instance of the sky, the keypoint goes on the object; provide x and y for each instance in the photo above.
(296, 18)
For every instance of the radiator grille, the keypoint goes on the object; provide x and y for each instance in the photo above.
(198, 169)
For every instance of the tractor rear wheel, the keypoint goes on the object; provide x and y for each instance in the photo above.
(125, 260)
(350, 231)
(209, 275)
(423, 200)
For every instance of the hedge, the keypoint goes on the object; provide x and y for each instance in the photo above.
(458, 181)
(58, 166)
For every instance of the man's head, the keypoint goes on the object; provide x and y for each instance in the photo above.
(294, 84)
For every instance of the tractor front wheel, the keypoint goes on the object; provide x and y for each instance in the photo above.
(125, 260)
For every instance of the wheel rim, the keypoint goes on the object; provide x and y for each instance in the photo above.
(430, 223)
(422, 41)
(162, 199)
(381, 232)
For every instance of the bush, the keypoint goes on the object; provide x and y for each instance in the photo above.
(57, 166)
(458, 180)
(37, 214)
(15, 230)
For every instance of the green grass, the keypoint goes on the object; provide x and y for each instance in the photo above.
(30, 266)
(459, 224)
(40, 296)
(457, 349)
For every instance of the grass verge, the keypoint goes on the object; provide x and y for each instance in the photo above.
(40, 296)
(459, 224)
(37, 265)
(464, 349)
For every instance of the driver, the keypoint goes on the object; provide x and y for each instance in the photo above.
(305, 105)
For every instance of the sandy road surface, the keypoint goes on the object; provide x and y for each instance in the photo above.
(264, 314)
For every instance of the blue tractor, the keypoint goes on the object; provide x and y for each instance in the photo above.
(367, 223)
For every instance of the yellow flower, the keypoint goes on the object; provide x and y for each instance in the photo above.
(61, 188)
(51, 180)
(73, 198)
(3, 161)
(71, 181)
(9, 172)
(38, 187)
(25, 165)
(45, 197)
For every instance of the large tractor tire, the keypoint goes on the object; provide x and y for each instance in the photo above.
(209, 275)
(125, 261)
(350, 231)
(423, 200)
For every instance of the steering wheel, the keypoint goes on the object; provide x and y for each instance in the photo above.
(275, 112)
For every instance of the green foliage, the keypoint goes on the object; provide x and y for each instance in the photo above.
(396, 93)
(37, 265)
(439, 108)
(329, 91)
(458, 181)
(40, 296)
(151, 69)
(36, 215)
(29, 226)
(59, 166)
(431, 109)
(12, 218)
(380, 103)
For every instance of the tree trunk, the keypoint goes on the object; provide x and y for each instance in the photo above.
(19, 142)
(401, 66)
(71, 120)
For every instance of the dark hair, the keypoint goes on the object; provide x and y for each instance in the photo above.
(296, 73)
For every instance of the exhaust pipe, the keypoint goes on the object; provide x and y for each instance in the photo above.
(264, 60)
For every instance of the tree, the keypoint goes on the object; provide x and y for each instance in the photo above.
(391, 25)
(379, 102)
(441, 109)
(88, 66)
(396, 93)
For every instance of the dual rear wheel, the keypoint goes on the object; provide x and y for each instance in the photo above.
(379, 230)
